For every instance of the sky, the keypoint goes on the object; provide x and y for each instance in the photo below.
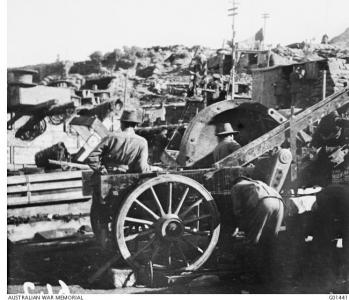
(39, 30)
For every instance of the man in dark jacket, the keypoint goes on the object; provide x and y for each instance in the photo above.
(258, 210)
(331, 216)
(227, 143)
(160, 142)
(123, 151)
(332, 139)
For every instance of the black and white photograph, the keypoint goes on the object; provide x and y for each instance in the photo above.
(176, 147)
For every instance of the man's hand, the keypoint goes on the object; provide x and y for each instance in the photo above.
(209, 175)
(156, 169)
(102, 171)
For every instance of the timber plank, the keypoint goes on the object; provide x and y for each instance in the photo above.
(36, 187)
(44, 177)
(40, 199)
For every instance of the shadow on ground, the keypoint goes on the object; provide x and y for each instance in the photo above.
(295, 271)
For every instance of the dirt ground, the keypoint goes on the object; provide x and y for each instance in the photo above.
(295, 272)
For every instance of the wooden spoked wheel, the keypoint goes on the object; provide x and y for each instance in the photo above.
(170, 222)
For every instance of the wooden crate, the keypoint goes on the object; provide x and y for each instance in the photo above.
(47, 202)
(38, 94)
(24, 190)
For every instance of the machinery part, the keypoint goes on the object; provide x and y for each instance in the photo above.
(276, 115)
(199, 140)
(31, 130)
(57, 152)
(278, 135)
(39, 128)
(170, 220)
(57, 119)
(281, 165)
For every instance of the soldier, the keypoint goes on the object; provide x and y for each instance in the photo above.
(332, 140)
(218, 93)
(258, 210)
(227, 143)
(296, 83)
(331, 216)
(160, 142)
(123, 151)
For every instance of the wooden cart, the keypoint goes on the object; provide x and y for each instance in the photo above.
(169, 220)
(172, 221)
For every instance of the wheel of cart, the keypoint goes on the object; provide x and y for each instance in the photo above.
(170, 222)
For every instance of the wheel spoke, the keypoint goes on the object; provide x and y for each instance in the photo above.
(198, 214)
(182, 254)
(170, 186)
(191, 207)
(147, 209)
(157, 201)
(193, 245)
(194, 219)
(146, 246)
(141, 221)
(155, 253)
(182, 201)
(139, 234)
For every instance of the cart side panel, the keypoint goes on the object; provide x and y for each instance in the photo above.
(220, 181)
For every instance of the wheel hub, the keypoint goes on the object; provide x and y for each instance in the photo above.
(170, 227)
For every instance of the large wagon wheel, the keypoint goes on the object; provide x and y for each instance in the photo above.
(169, 221)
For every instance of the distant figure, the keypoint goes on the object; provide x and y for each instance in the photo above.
(227, 143)
(218, 93)
(195, 79)
(296, 86)
(160, 142)
(200, 64)
(324, 39)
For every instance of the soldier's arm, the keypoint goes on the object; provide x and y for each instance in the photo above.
(141, 164)
(234, 146)
(94, 159)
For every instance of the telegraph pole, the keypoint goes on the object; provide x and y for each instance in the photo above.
(232, 13)
(265, 16)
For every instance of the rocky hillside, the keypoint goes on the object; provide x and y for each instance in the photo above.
(342, 40)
